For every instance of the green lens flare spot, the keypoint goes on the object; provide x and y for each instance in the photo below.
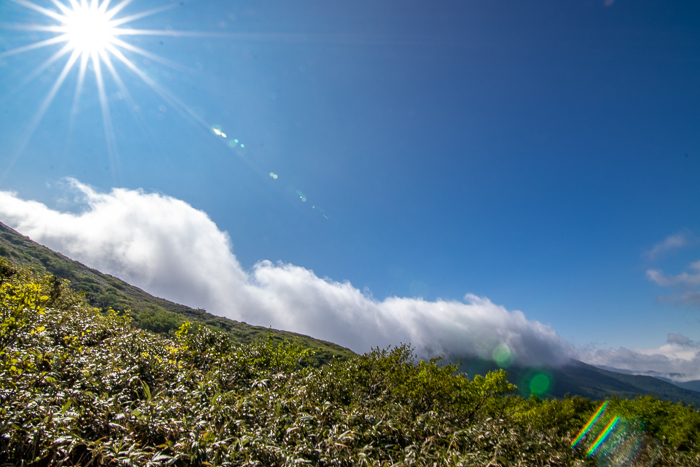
(502, 355)
(539, 383)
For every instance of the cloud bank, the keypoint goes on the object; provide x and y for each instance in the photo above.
(678, 359)
(172, 250)
(166, 247)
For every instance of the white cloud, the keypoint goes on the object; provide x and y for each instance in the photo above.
(149, 240)
(686, 284)
(677, 359)
(172, 250)
(672, 242)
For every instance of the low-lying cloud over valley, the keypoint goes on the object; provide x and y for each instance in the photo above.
(678, 359)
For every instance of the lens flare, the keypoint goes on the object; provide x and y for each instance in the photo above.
(603, 435)
(93, 35)
(617, 444)
(503, 356)
(539, 384)
(622, 446)
(591, 422)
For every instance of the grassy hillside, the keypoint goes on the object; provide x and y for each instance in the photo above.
(80, 387)
(154, 314)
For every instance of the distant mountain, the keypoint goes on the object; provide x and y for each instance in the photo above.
(578, 378)
(155, 314)
(692, 385)
(586, 380)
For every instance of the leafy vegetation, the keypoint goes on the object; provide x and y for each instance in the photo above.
(82, 387)
(164, 317)
(148, 312)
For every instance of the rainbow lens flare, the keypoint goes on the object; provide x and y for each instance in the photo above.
(593, 420)
(618, 443)
(603, 435)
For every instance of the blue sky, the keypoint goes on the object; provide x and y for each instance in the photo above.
(534, 153)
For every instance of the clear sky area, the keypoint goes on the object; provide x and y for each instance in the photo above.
(374, 171)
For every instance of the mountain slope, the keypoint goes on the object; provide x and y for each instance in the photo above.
(156, 314)
(152, 313)
(692, 385)
(578, 378)
(589, 381)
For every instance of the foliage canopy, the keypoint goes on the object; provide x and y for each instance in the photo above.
(82, 387)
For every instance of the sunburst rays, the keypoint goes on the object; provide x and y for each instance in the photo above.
(89, 36)
(88, 33)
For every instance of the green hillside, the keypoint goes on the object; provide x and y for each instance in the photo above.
(162, 316)
(691, 385)
(589, 381)
(148, 312)
(81, 387)
(581, 379)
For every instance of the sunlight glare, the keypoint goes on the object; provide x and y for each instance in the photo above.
(96, 36)
(88, 29)
(89, 32)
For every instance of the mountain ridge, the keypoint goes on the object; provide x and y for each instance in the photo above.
(156, 314)
(693, 385)
(577, 378)
(163, 316)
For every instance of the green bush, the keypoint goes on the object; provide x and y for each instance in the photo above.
(81, 387)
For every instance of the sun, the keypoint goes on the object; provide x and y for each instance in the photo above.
(90, 34)
(93, 36)
(88, 28)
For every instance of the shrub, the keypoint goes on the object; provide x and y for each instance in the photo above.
(81, 387)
